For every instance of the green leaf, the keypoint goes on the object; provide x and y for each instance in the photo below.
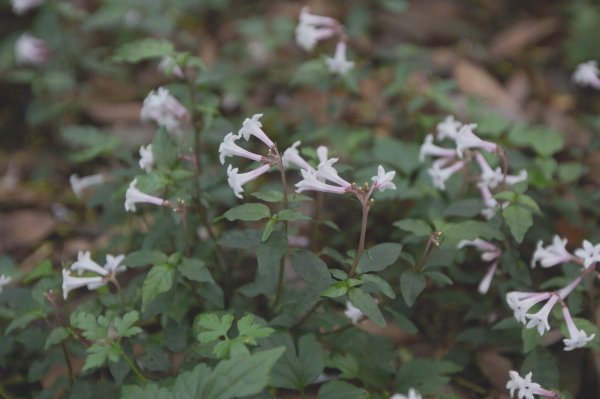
(335, 290)
(401, 154)
(22, 321)
(190, 384)
(93, 328)
(216, 327)
(411, 285)
(124, 326)
(195, 269)
(291, 215)
(144, 257)
(269, 227)
(56, 336)
(310, 267)
(268, 256)
(366, 304)
(415, 226)
(464, 208)
(531, 339)
(424, 375)
(143, 49)
(98, 354)
(296, 369)
(92, 141)
(468, 230)
(158, 280)
(250, 212)
(439, 278)
(43, 269)
(542, 364)
(379, 257)
(380, 283)
(149, 391)
(543, 140)
(519, 220)
(249, 330)
(341, 390)
(570, 172)
(269, 195)
(164, 150)
(242, 375)
(310, 72)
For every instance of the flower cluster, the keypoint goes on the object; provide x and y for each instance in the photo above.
(489, 253)
(552, 255)
(412, 394)
(229, 148)
(313, 28)
(526, 388)
(468, 146)
(587, 74)
(84, 263)
(164, 109)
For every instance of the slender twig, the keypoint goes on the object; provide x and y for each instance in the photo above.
(306, 315)
(363, 232)
(281, 271)
(132, 365)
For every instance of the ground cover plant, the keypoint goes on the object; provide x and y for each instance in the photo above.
(359, 199)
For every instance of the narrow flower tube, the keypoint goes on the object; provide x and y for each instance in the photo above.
(552, 255)
(490, 251)
(322, 153)
(310, 182)
(229, 148)
(492, 177)
(564, 292)
(79, 185)
(291, 156)
(440, 175)
(85, 263)
(521, 302)
(428, 148)
(465, 138)
(339, 64)
(70, 283)
(486, 281)
(146, 158)
(311, 19)
(134, 196)
(577, 338)
(237, 180)
(526, 388)
(326, 171)
(252, 127)
(540, 319)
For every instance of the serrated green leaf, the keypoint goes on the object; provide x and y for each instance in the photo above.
(379, 257)
(464, 208)
(124, 326)
(190, 384)
(216, 327)
(144, 257)
(519, 220)
(341, 390)
(148, 391)
(195, 269)
(56, 336)
(143, 49)
(366, 304)
(424, 375)
(249, 212)
(164, 149)
(401, 154)
(158, 280)
(543, 365)
(411, 285)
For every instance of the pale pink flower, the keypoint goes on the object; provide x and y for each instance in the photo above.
(71, 283)
(310, 182)
(589, 253)
(252, 127)
(412, 394)
(577, 338)
(383, 180)
(229, 148)
(79, 185)
(146, 158)
(353, 313)
(492, 177)
(339, 64)
(168, 66)
(237, 180)
(428, 148)
(540, 319)
(448, 128)
(553, 254)
(521, 302)
(440, 175)
(291, 156)
(313, 28)
(526, 388)
(20, 7)
(4, 281)
(467, 139)
(326, 171)
(134, 196)
(164, 109)
(31, 50)
(587, 74)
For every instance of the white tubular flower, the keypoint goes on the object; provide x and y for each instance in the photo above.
(78, 185)
(383, 180)
(252, 127)
(491, 205)
(540, 319)
(327, 172)
(448, 128)
(71, 283)
(586, 74)
(229, 148)
(322, 153)
(20, 7)
(428, 148)
(489, 250)
(4, 281)
(85, 263)
(133, 196)
(291, 156)
(30, 50)
(589, 253)
(339, 64)
(465, 138)
(310, 182)
(521, 302)
(412, 394)
(577, 338)
(553, 254)
(492, 177)
(440, 175)
(353, 313)
(164, 109)
(526, 388)
(113, 264)
(168, 66)
(237, 180)
(313, 28)
(486, 281)
(146, 158)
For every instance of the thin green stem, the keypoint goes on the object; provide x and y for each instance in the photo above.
(281, 271)
(120, 291)
(306, 315)
(132, 365)
(363, 233)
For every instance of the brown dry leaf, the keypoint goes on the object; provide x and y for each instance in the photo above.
(111, 113)
(519, 86)
(495, 367)
(24, 228)
(573, 233)
(390, 331)
(521, 35)
(476, 81)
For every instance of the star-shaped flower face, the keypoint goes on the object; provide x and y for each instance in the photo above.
(383, 180)
(589, 253)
